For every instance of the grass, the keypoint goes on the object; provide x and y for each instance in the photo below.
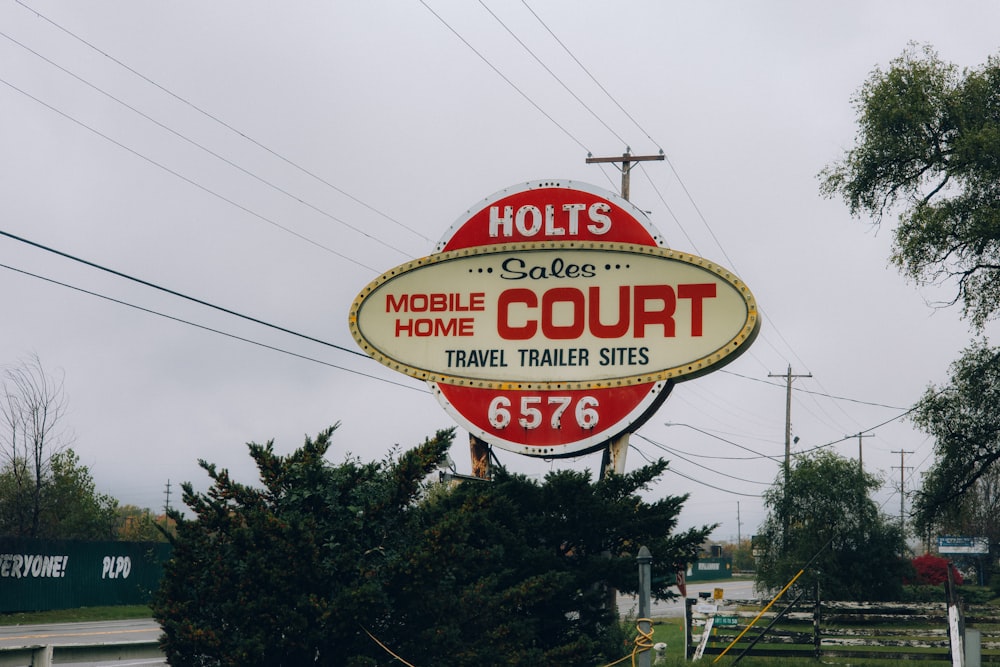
(83, 614)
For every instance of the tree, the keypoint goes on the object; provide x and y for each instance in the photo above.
(821, 518)
(138, 524)
(291, 573)
(510, 572)
(72, 508)
(928, 144)
(962, 418)
(32, 408)
(518, 573)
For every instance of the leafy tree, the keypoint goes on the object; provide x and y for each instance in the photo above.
(72, 508)
(509, 572)
(962, 418)
(138, 524)
(928, 144)
(741, 553)
(822, 517)
(68, 504)
(518, 573)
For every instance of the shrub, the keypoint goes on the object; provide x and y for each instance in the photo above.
(933, 570)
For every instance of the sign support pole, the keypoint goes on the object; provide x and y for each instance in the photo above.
(479, 451)
(613, 460)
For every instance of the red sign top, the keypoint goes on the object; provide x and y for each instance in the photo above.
(550, 211)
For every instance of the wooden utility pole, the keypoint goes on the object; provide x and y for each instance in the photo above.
(861, 465)
(902, 480)
(628, 161)
(788, 414)
(613, 459)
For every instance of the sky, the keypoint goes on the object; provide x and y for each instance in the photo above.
(272, 159)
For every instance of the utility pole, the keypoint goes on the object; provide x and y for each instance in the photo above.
(788, 414)
(613, 459)
(902, 480)
(739, 533)
(861, 465)
(628, 161)
(166, 505)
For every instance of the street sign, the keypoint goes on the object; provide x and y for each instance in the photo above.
(726, 620)
(963, 545)
(552, 318)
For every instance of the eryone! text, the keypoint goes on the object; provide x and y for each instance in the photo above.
(21, 566)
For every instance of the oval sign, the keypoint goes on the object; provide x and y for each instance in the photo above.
(552, 318)
(561, 315)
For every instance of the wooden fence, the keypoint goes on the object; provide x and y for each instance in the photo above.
(884, 631)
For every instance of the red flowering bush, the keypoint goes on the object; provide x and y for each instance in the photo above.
(933, 570)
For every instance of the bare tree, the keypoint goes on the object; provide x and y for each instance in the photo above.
(33, 404)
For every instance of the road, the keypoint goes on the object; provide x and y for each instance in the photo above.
(97, 632)
(732, 590)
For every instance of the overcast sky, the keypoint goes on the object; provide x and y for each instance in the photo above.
(274, 158)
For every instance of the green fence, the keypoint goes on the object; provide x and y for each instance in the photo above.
(37, 575)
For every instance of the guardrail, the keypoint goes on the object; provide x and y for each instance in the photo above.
(38, 655)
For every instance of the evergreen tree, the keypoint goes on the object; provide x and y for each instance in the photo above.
(321, 560)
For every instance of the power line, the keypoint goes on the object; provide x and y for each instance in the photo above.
(204, 148)
(592, 77)
(673, 169)
(220, 121)
(695, 479)
(181, 295)
(728, 442)
(695, 463)
(817, 393)
(188, 180)
(551, 73)
(504, 77)
(206, 328)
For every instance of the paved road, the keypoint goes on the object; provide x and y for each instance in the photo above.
(84, 633)
(732, 590)
(79, 633)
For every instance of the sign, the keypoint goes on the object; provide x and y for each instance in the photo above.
(552, 318)
(963, 545)
(726, 620)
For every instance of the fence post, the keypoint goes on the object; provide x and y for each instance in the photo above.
(817, 618)
(42, 656)
(956, 622)
(645, 561)
(688, 603)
